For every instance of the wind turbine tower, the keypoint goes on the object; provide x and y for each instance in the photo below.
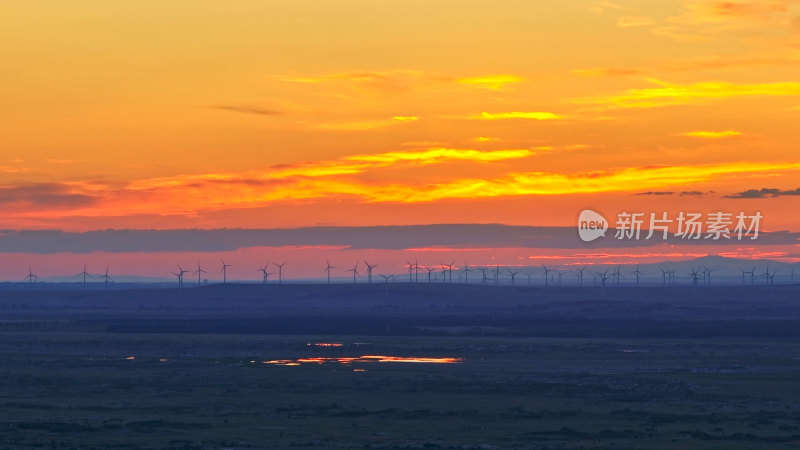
(638, 273)
(355, 273)
(32, 277)
(84, 274)
(369, 271)
(580, 275)
(546, 274)
(280, 272)
(224, 271)
(106, 278)
(327, 269)
(199, 273)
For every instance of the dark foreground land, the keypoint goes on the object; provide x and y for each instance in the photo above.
(435, 367)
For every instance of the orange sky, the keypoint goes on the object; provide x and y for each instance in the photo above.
(182, 114)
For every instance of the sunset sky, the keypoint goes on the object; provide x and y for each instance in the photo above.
(154, 115)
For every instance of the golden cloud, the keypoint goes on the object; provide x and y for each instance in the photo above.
(517, 115)
(668, 94)
(634, 21)
(493, 82)
(190, 194)
(712, 134)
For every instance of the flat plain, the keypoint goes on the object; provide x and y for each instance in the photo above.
(411, 366)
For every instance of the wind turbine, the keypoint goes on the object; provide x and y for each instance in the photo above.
(32, 277)
(410, 270)
(664, 275)
(416, 271)
(513, 276)
(449, 271)
(580, 275)
(430, 270)
(386, 279)
(695, 276)
(327, 269)
(752, 275)
(546, 274)
(483, 272)
(708, 275)
(603, 279)
(369, 271)
(224, 271)
(265, 274)
(179, 274)
(558, 272)
(280, 271)
(199, 272)
(616, 274)
(355, 273)
(180, 279)
(84, 274)
(768, 277)
(467, 271)
(638, 273)
(106, 278)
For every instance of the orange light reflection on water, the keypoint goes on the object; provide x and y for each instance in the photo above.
(363, 359)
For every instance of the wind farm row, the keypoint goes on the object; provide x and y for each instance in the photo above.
(362, 272)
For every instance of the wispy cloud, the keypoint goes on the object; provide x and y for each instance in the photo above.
(436, 155)
(712, 19)
(634, 21)
(608, 71)
(12, 169)
(512, 184)
(722, 62)
(355, 177)
(46, 195)
(712, 134)
(704, 63)
(764, 192)
(655, 193)
(604, 6)
(384, 82)
(667, 94)
(536, 115)
(402, 80)
(681, 193)
(364, 125)
(716, 10)
(493, 82)
(547, 183)
(248, 110)
(347, 165)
